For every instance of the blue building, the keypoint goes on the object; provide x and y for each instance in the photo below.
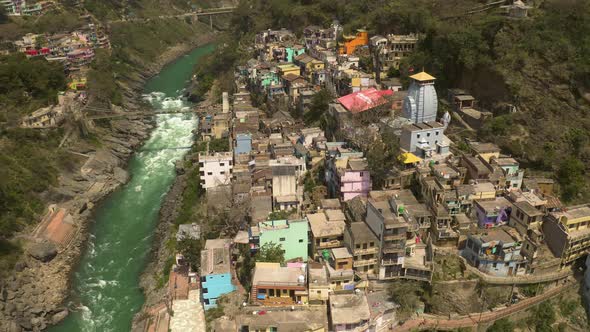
(215, 271)
(243, 144)
(495, 252)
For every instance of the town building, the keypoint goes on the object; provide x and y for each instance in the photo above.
(306, 320)
(216, 277)
(364, 245)
(216, 169)
(326, 232)
(276, 285)
(292, 235)
(354, 42)
(349, 312)
(492, 213)
(347, 177)
(495, 252)
(567, 233)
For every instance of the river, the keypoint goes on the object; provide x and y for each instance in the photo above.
(106, 282)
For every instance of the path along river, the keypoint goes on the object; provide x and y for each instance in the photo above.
(106, 283)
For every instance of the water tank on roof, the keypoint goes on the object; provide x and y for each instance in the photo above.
(301, 279)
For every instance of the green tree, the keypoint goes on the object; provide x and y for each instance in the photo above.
(318, 107)
(191, 251)
(570, 176)
(271, 252)
(407, 294)
(501, 325)
(382, 156)
(542, 317)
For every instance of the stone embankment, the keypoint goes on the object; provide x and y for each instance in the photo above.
(34, 295)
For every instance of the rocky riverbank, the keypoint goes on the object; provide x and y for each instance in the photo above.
(33, 296)
(154, 292)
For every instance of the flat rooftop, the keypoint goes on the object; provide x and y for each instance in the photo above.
(274, 273)
(349, 308)
(321, 227)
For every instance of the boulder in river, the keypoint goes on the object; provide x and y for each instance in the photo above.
(43, 251)
(59, 316)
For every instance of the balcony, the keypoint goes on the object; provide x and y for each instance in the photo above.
(391, 248)
(329, 244)
(389, 262)
(367, 251)
(365, 262)
(393, 237)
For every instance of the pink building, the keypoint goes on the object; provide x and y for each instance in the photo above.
(348, 177)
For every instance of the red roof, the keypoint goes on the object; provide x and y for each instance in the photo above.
(364, 100)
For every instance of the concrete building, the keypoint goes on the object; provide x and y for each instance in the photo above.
(495, 252)
(512, 173)
(306, 320)
(364, 246)
(424, 139)
(349, 312)
(243, 144)
(290, 234)
(319, 286)
(567, 233)
(285, 188)
(216, 278)
(273, 284)
(492, 213)
(215, 170)
(326, 233)
(348, 178)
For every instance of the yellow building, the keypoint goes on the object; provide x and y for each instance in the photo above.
(567, 233)
(289, 68)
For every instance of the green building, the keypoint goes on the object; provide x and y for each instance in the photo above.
(290, 234)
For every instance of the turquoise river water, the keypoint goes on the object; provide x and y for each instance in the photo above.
(106, 292)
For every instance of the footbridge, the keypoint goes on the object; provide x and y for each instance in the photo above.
(195, 15)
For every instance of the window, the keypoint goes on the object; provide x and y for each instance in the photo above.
(282, 239)
(209, 173)
(222, 172)
(205, 290)
(436, 133)
(358, 246)
(494, 265)
(371, 244)
(418, 136)
(221, 164)
(427, 134)
(300, 240)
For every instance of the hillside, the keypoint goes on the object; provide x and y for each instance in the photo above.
(30, 161)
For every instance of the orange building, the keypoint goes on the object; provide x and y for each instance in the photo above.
(352, 42)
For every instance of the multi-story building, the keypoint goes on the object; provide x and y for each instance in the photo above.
(273, 284)
(568, 233)
(512, 173)
(216, 169)
(364, 246)
(349, 312)
(290, 234)
(495, 252)
(286, 192)
(326, 233)
(348, 178)
(492, 213)
(215, 271)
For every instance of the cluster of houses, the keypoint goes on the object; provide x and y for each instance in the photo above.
(75, 50)
(26, 8)
(342, 236)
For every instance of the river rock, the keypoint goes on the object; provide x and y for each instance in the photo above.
(43, 251)
(120, 175)
(58, 317)
(179, 166)
(25, 323)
